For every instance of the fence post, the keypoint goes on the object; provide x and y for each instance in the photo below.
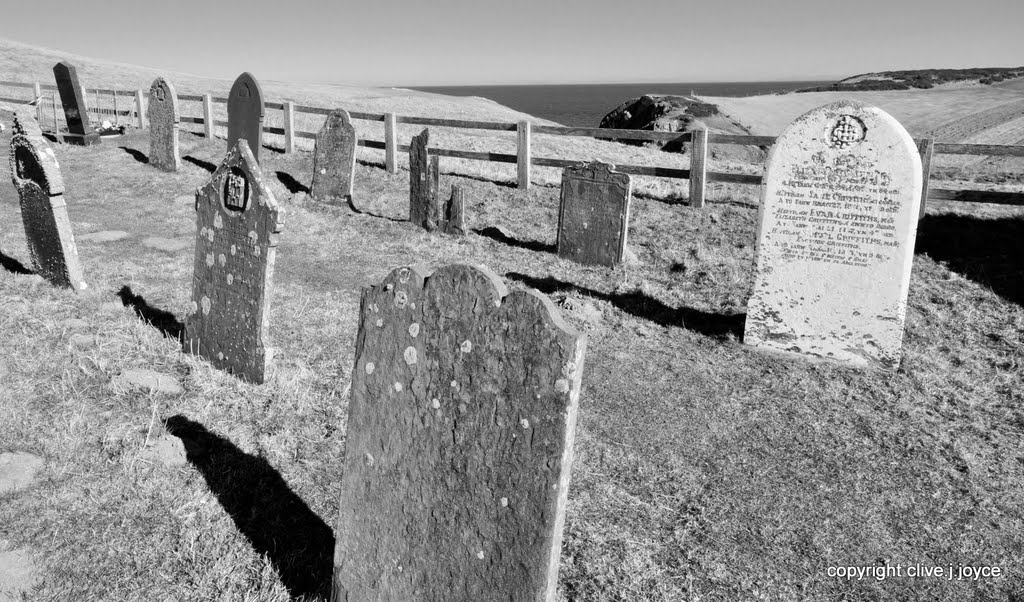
(208, 115)
(289, 126)
(698, 166)
(141, 109)
(523, 154)
(925, 146)
(390, 142)
(117, 115)
(53, 103)
(38, 91)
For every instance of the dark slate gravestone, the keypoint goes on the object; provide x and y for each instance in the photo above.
(245, 114)
(73, 100)
(593, 218)
(36, 176)
(459, 442)
(455, 213)
(334, 159)
(238, 222)
(423, 180)
(164, 120)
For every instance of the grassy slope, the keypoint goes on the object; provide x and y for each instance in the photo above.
(704, 470)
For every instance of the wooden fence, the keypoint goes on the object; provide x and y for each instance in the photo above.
(699, 141)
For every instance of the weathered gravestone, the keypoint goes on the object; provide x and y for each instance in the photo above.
(837, 223)
(75, 113)
(164, 121)
(37, 178)
(245, 114)
(593, 218)
(459, 441)
(238, 221)
(454, 221)
(334, 159)
(424, 209)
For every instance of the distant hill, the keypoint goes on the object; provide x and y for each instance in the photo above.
(920, 78)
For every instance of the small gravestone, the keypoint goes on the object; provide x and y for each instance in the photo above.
(593, 217)
(454, 221)
(459, 443)
(75, 113)
(162, 113)
(245, 114)
(424, 170)
(334, 159)
(838, 219)
(238, 221)
(48, 234)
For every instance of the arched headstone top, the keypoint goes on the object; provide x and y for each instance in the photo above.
(162, 93)
(336, 119)
(239, 182)
(34, 162)
(246, 87)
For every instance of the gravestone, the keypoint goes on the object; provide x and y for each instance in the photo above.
(424, 171)
(334, 159)
(75, 113)
(837, 224)
(459, 442)
(164, 120)
(593, 217)
(48, 234)
(454, 221)
(237, 222)
(245, 114)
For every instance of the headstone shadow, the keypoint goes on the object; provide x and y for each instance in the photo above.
(138, 155)
(294, 186)
(164, 321)
(13, 266)
(497, 235)
(276, 521)
(636, 303)
(987, 251)
(210, 167)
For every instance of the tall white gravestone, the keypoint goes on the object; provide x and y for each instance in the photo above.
(837, 224)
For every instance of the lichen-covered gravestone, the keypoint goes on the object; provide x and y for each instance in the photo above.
(164, 120)
(459, 441)
(837, 224)
(37, 178)
(593, 218)
(334, 159)
(238, 222)
(75, 113)
(424, 208)
(454, 221)
(245, 114)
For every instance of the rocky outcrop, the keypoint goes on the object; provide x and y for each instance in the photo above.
(680, 114)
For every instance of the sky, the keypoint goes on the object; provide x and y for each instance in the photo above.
(486, 42)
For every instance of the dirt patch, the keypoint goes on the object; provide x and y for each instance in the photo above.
(17, 574)
(18, 470)
(103, 236)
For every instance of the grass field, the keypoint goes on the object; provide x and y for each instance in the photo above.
(704, 470)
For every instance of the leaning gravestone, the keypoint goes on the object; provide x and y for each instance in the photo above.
(424, 209)
(245, 114)
(75, 113)
(238, 222)
(334, 159)
(593, 218)
(837, 223)
(164, 120)
(37, 178)
(459, 445)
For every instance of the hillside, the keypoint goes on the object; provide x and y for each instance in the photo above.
(921, 79)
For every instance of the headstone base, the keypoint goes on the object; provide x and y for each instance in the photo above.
(81, 140)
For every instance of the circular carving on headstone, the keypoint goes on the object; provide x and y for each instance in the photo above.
(847, 131)
(236, 190)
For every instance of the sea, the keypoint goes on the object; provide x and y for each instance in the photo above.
(584, 105)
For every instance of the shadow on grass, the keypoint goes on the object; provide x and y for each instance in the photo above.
(210, 167)
(987, 251)
(352, 206)
(164, 321)
(294, 186)
(13, 266)
(720, 326)
(530, 245)
(272, 517)
(138, 155)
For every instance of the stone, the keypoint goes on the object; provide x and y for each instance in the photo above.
(74, 324)
(75, 113)
(593, 216)
(18, 470)
(166, 449)
(245, 114)
(454, 221)
(50, 240)
(334, 159)
(81, 341)
(103, 236)
(459, 444)
(150, 380)
(424, 171)
(836, 232)
(25, 122)
(164, 122)
(237, 222)
(17, 574)
(170, 245)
